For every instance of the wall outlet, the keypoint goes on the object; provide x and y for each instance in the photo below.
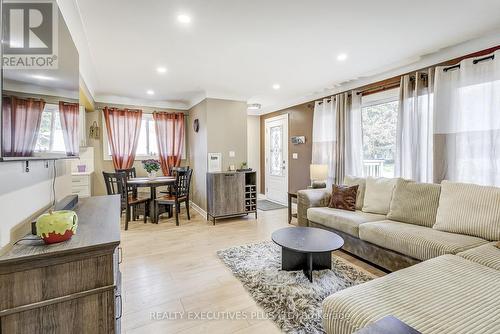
(232, 154)
(295, 156)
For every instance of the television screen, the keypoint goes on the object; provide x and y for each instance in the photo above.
(40, 83)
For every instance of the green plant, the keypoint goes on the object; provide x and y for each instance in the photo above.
(244, 165)
(151, 165)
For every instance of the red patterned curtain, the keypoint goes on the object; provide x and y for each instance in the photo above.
(69, 112)
(170, 137)
(21, 120)
(123, 127)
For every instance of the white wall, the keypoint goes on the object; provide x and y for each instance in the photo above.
(24, 195)
(253, 145)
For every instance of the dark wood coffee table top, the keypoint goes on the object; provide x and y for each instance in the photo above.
(307, 239)
(388, 325)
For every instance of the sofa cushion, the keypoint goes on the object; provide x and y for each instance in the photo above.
(343, 197)
(415, 203)
(487, 255)
(447, 294)
(469, 209)
(378, 195)
(341, 220)
(357, 181)
(418, 242)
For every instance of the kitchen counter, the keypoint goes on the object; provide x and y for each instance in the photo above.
(82, 173)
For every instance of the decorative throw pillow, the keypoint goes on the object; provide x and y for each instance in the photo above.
(343, 197)
(361, 182)
(469, 209)
(378, 194)
(415, 203)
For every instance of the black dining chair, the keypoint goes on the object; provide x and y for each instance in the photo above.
(180, 194)
(131, 173)
(116, 184)
(174, 169)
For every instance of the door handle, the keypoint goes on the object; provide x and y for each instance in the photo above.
(119, 298)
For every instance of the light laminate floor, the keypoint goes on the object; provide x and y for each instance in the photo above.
(173, 281)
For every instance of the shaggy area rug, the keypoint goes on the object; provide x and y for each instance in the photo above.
(287, 297)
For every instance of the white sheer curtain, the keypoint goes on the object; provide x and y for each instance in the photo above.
(414, 146)
(324, 136)
(467, 122)
(337, 136)
(354, 138)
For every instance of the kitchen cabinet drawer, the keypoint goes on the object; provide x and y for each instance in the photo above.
(80, 180)
(81, 191)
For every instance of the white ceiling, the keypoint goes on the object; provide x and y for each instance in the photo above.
(239, 49)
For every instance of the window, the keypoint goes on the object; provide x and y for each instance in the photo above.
(147, 146)
(379, 122)
(50, 137)
(276, 150)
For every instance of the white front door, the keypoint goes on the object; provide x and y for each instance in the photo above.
(276, 156)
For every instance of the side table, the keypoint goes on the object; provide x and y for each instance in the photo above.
(290, 214)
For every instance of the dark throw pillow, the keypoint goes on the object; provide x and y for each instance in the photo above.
(344, 197)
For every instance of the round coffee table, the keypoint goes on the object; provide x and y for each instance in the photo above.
(306, 248)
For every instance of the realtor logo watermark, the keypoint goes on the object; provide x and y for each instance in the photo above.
(30, 38)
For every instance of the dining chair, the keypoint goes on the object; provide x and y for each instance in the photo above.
(174, 169)
(116, 184)
(131, 173)
(180, 194)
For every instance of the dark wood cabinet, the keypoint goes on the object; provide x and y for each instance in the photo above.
(231, 194)
(70, 287)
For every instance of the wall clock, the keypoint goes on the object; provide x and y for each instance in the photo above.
(196, 125)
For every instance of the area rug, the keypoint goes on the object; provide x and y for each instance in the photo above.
(287, 297)
(266, 205)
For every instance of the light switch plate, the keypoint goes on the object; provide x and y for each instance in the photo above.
(295, 156)
(232, 154)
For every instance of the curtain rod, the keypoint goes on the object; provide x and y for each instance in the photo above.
(468, 56)
(475, 61)
(379, 89)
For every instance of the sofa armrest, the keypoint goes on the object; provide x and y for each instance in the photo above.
(310, 198)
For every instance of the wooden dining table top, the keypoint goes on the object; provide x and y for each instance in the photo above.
(146, 181)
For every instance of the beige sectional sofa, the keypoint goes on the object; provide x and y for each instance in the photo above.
(437, 239)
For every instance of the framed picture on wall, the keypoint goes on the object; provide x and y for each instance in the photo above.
(214, 162)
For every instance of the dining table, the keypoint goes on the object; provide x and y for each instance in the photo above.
(152, 184)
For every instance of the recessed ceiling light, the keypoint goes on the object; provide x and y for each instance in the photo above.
(254, 106)
(150, 92)
(161, 70)
(183, 18)
(342, 57)
(276, 86)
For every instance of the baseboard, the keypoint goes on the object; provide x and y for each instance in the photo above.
(198, 209)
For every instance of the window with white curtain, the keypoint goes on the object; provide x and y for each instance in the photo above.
(467, 122)
(379, 114)
(147, 145)
(50, 137)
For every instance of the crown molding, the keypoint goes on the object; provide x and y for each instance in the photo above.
(113, 99)
(412, 64)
